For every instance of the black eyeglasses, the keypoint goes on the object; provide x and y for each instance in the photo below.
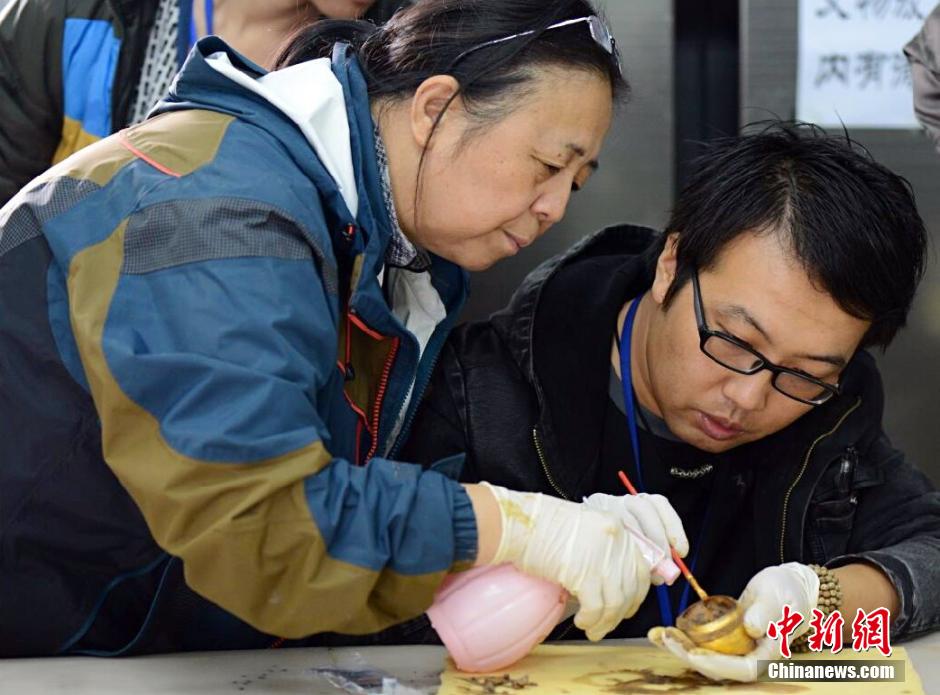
(599, 32)
(738, 356)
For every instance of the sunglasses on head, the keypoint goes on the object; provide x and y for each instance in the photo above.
(599, 32)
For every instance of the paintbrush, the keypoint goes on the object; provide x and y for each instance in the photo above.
(693, 582)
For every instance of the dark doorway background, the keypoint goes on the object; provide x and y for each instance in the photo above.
(706, 76)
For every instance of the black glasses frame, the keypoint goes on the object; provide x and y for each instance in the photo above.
(705, 333)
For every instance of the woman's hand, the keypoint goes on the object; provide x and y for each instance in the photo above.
(650, 515)
(588, 552)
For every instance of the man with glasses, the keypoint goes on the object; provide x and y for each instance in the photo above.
(723, 365)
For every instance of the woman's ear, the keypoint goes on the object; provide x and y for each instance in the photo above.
(665, 269)
(430, 100)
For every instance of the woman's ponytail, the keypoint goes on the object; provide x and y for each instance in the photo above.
(316, 39)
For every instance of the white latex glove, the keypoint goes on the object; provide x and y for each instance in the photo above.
(586, 551)
(712, 664)
(651, 515)
(762, 600)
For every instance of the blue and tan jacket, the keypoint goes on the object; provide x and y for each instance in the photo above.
(200, 377)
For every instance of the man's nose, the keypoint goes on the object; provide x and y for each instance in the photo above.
(748, 391)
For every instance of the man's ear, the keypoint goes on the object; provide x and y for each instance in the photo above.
(430, 100)
(665, 269)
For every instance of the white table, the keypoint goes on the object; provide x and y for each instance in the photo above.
(416, 669)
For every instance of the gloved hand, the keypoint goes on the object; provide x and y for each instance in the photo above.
(651, 515)
(762, 600)
(586, 551)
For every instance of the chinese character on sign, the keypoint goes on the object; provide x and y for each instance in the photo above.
(834, 66)
(869, 65)
(851, 71)
(872, 630)
(907, 9)
(832, 8)
(783, 629)
(828, 633)
(876, 9)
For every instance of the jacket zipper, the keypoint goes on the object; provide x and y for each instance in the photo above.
(379, 396)
(541, 455)
(809, 452)
(416, 396)
(551, 480)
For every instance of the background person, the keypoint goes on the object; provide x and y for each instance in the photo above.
(923, 53)
(73, 73)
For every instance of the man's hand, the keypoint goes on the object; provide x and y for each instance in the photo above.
(712, 664)
(762, 601)
(588, 552)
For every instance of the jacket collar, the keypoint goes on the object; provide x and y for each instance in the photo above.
(515, 323)
(563, 315)
(200, 86)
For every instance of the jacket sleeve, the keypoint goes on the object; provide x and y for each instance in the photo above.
(923, 53)
(212, 363)
(897, 529)
(30, 91)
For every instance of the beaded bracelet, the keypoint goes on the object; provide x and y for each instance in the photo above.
(830, 600)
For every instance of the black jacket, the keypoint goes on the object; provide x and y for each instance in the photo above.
(828, 489)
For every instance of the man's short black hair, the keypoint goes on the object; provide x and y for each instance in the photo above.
(851, 222)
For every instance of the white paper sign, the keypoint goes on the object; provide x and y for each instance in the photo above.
(851, 66)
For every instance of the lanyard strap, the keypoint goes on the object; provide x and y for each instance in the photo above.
(626, 381)
(193, 34)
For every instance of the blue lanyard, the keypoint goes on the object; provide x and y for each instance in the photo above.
(193, 34)
(626, 381)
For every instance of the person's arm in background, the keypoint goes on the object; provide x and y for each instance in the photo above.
(30, 90)
(923, 53)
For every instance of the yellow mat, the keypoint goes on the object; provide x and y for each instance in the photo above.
(637, 670)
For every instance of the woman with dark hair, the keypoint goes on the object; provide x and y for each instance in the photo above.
(216, 327)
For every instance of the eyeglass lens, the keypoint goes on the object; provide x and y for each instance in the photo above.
(737, 358)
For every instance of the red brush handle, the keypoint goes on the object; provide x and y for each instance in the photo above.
(675, 556)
